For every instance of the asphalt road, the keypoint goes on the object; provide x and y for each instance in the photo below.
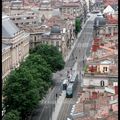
(44, 109)
(80, 53)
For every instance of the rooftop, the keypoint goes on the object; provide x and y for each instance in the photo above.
(111, 19)
(5, 46)
(9, 29)
(55, 29)
(86, 100)
(99, 21)
(71, 4)
(55, 20)
(110, 2)
(108, 10)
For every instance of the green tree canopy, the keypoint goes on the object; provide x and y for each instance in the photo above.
(40, 72)
(51, 55)
(38, 67)
(35, 59)
(26, 85)
(20, 91)
(77, 25)
(12, 115)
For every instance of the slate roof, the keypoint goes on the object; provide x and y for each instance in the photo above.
(4, 46)
(99, 21)
(8, 27)
(115, 7)
(55, 29)
(56, 12)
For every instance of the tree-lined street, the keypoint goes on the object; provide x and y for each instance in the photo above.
(82, 46)
(78, 55)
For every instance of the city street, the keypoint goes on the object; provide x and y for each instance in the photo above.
(65, 56)
(79, 53)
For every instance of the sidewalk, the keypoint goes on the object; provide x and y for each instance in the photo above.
(68, 56)
(58, 106)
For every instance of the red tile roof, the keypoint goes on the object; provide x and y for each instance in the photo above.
(111, 20)
(110, 2)
(68, 16)
(55, 20)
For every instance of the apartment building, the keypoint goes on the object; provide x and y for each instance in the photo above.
(106, 26)
(15, 45)
(72, 8)
(102, 64)
(55, 31)
(25, 18)
(16, 4)
(45, 4)
(56, 36)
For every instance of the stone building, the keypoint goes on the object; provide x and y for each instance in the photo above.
(55, 31)
(15, 45)
(45, 4)
(72, 8)
(6, 60)
(24, 19)
(106, 26)
(102, 64)
(16, 4)
(56, 36)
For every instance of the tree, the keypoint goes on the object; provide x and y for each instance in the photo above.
(77, 25)
(35, 59)
(26, 85)
(51, 55)
(20, 91)
(40, 72)
(43, 77)
(12, 115)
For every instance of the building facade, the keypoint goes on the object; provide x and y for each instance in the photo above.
(15, 46)
(56, 36)
(25, 19)
(72, 8)
(6, 60)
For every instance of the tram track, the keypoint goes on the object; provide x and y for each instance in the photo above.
(68, 103)
(65, 109)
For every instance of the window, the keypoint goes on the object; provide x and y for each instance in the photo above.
(98, 32)
(18, 18)
(57, 43)
(13, 18)
(102, 83)
(109, 30)
(104, 69)
(52, 42)
(28, 17)
(35, 38)
(114, 29)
